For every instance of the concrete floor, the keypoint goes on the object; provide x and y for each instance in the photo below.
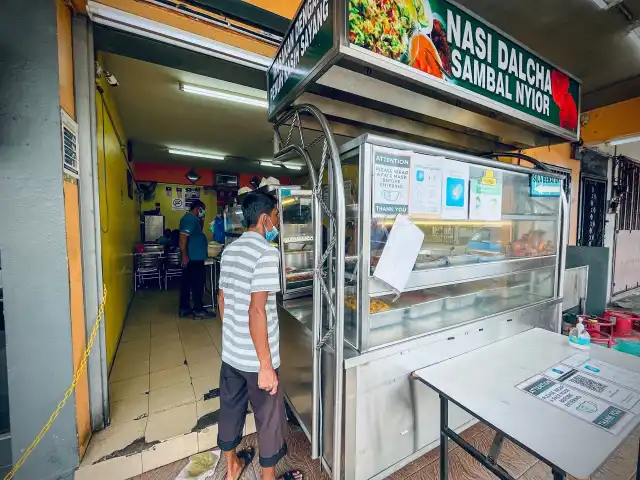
(163, 367)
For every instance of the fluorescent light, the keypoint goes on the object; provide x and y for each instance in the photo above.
(189, 153)
(224, 95)
(292, 167)
(266, 163)
(624, 140)
(606, 4)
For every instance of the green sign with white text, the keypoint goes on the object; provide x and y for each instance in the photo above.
(448, 43)
(307, 41)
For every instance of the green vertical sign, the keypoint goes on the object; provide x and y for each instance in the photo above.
(307, 41)
(454, 46)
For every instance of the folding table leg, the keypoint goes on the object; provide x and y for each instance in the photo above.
(444, 439)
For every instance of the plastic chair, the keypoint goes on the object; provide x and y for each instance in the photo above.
(147, 266)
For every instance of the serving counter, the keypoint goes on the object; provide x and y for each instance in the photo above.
(477, 278)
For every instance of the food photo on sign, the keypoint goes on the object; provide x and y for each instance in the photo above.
(448, 43)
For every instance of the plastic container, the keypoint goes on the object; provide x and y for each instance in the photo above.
(578, 336)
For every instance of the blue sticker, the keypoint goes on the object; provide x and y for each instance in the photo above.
(455, 192)
(555, 370)
(420, 175)
(591, 369)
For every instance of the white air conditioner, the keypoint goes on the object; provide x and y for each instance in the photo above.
(70, 164)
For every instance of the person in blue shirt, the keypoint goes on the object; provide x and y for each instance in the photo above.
(193, 245)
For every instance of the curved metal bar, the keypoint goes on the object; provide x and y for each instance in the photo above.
(335, 273)
(305, 156)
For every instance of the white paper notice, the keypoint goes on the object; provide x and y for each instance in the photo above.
(391, 181)
(604, 370)
(590, 409)
(455, 190)
(426, 184)
(400, 253)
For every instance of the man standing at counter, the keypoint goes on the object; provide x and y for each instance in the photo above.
(193, 245)
(249, 280)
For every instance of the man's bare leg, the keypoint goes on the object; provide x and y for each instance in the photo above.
(234, 465)
(269, 473)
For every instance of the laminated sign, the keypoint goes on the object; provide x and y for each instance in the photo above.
(391, 170)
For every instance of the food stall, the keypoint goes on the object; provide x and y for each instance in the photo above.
(445, 248)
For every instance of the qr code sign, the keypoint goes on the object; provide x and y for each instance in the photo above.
(588, 383)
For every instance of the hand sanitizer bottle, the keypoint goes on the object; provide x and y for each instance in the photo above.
(579, 337)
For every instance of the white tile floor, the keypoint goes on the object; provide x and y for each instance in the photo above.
(163, 368)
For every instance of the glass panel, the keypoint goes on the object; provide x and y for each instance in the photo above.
(419, 312)
(297, 240)
(528, 227)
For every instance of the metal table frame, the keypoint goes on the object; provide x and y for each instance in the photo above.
(212, 264)
(489, 461)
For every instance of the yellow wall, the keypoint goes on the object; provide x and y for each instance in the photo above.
(171, 218)
(612, 121)
(119, 222)
(72, 224)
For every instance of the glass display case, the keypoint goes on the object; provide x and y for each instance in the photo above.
(233, 227)
(492, 239)
(295, 241)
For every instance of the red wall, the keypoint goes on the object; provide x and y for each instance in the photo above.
(157, 172)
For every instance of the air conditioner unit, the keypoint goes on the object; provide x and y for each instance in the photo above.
(70, 164)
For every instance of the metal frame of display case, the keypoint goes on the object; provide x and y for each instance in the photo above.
(367, 286)
(290, 293)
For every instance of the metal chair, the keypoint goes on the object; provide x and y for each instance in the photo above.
(147, 266)
(172, 267)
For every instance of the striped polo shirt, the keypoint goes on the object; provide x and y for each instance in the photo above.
(248, 265)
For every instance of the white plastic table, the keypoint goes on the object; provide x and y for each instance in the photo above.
(483, 383)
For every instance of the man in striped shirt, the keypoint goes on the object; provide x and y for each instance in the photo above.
(249, 280)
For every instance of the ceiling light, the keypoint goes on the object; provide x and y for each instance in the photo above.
(189, 153)
(225, 95)
(606, 4)
(624, 140)
(267, 163)
(292, 167)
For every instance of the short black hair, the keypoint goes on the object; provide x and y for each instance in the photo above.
(255, 204)
(197, 204)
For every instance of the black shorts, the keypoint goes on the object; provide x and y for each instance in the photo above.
(237, 388)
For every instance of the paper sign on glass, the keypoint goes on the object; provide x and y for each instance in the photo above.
(455, 190)
(400, 253)
(391, 181)
(426, 184)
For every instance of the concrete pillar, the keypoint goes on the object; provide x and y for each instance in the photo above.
(32, 239)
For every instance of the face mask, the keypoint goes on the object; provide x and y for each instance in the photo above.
(201, 213)
(270, 235)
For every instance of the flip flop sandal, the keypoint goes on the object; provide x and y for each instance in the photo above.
(246, 456)
(291, 475)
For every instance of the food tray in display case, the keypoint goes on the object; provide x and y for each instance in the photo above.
(474, 261)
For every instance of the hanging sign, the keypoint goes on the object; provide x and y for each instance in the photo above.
(543, 186)
(485, 202)
(308, 40)
(426, 184)
(391, 181)
(468, 57)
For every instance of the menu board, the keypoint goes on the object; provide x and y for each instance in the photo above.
(391, 181)
(595, 391)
